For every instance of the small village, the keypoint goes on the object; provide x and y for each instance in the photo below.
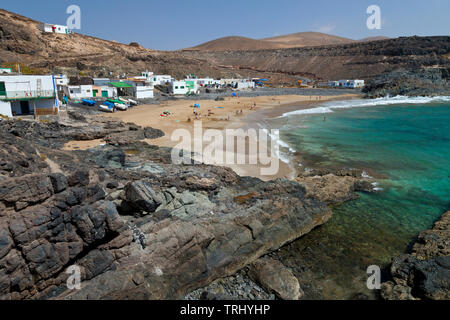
(36, 95)
(43, 95)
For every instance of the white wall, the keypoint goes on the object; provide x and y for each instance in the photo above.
(46, 27)
(5, 109)
(161, 79)
(144, 92)
(78, 92)
(179, 87)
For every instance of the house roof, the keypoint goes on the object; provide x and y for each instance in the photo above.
(121, 85)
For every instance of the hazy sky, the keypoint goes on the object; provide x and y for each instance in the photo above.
(175, 24)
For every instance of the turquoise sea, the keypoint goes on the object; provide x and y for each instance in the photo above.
(404, 144)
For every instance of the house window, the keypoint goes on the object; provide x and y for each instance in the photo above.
(176, 87)
(182, 87)
(2, 89)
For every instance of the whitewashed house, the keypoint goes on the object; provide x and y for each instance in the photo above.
(180, 87)
(246, 84)
(204, 82)
(356, 83)
(28, 95)
(161, 79)
(185, 87)
(351, 83)
(78, 92)
(53, 28)
(144, 90)
(61, 80)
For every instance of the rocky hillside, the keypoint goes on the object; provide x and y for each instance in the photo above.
(362, 60)
(21, 40)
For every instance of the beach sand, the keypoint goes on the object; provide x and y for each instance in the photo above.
(232, 113)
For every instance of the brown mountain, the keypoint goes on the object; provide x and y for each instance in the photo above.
(235, 43)
(308, 39)
(300, 39)
(75, 54)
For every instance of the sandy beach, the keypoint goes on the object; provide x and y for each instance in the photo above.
(231, 113)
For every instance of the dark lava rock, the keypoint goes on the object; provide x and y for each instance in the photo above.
(416, 82)
(108, 156)
(425, 273)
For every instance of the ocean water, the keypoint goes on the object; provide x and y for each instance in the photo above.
(405, 144)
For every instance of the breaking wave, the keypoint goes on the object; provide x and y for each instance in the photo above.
(328, 107)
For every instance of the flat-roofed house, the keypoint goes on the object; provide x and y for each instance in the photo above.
(28, 95)
(53, 28)
(78, 92)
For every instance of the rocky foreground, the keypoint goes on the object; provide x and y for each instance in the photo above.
(424, 273)
(138, 226)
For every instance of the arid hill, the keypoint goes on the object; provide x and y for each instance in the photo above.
(235, 43)
(308, 39)
(22, 41)
(77, 54)
(362, 60)
(300, 39)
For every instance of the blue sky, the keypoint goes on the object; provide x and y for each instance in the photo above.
(175, 24)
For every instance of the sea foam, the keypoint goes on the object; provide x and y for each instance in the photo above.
(328, 107)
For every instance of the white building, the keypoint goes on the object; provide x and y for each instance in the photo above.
(161, 79)
(180, 87)
(61, 80)
(356, 83)
(238, 83)
(144, 90)
(246, 84)
(27, 95)
(187, 86)
(78, 92)
(351, 83)
(204, 82)
(53, 28)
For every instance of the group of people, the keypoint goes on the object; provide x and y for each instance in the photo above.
(198, 115)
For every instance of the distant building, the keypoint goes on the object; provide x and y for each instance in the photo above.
(161, 79)
(53, 28)
(347, 83)
(103, 91)
(28, 95)
(78, 92)
(61, 80)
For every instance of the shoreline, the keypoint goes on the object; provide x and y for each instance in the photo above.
(232, 113)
